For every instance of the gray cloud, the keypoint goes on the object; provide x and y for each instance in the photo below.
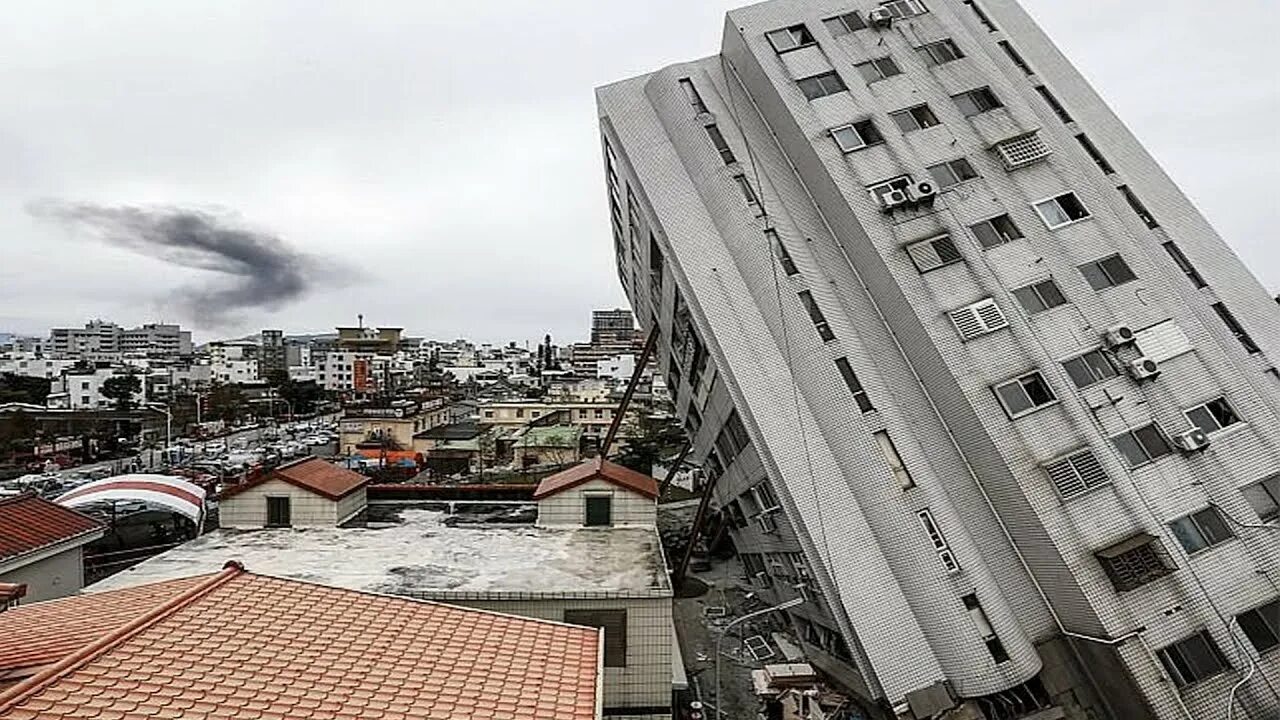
(254, 270)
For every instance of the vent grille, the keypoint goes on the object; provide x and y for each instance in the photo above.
(977, 319)
(1077, 474)
(1022, 151)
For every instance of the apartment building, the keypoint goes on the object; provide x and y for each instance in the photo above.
(965, 367)
(157, 340)
(273, 358)
(593, 417)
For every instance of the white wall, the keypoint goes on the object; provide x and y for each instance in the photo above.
(569, 506)
(55, 576)
(248, 509)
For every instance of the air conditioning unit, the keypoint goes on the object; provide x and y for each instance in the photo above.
(880, 18)
(894, 199)
(1118, 335)
(1144, 368)
(1193, 440)
(926, 193)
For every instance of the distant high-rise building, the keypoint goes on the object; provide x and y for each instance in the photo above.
(157, 340)
(966, 370)
(272, 359)
(96, 336)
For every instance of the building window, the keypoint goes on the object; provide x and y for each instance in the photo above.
(855, 386)
(279, 513)
(1264, 497)
(1184, 264)
(748, 192)
(977, 319)
(940, 52)
(599, 414)
(784, 258)
(983, 625)
(1040, 296)
(1053, 104)
(952, 173)
(614, 624)
(1142, 445)
(939, 542)
(1262, 626)
(721, 145)
(691, 94)
(1134, 562)
(878, 69)
(598, 510)
(827, 83)
(996, 231)
(982, 16)
(894, 460)
(1076, 474)
(1192, 659)
(904, 8)
(1062, 210)
(934, 253)
(764, 498)
(1107, 272)
(1235, 327)
(582, 413)
(732, 438)
(977, 101)
(1141, 210)
(1015, 57)
(1089, 368)
(1213, 415)
(1094, 154)
(915, 118)
(790, 38)
(519, 412)
(857, 136)
(1201, 530)
(1024, 395)
(844, 24)
(815, 314)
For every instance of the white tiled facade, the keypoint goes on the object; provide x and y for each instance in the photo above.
(894, 590)
(568, 507)
(248, 510)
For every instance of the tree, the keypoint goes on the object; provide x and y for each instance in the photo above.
(649, 438)
(277, 377)
(302, 396)
(23, 389)
(121, 389)
(226, 403)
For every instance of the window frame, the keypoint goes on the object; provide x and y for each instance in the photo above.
(1183, 263)
(1208, 407)
(911, 112)
(855, 385)
(1269, 620)
(860, 130)
(996, 232)
(819, 319)
(805, 39)
(1095, 154)
(821, 84)
(1016, 57)
(1021, 383)
(1176, 671)
(1091, 367)
(895, 8)
(1138, 442)
(954, 257)
(693, 96)
(939, 542)
(720, 143)
(983, 99)
(876, 64)
(1057, 203)
(953, 175)
(842, 21)
(1035, 289)
(893, 459)
(1107, 269)
(928, 51)
(780, 251)
(1121, 575)
(597, 496)
(1204, 537)
(1235, 328)
(1269, 487)
(1052, 101)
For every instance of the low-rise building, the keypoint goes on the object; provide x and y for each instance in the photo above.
(305, 493)
(388, 425)
(42, 547)
(593, 417)
(82, 389)
(29, 364)
(239, 644)
(592, 558)
(452, 448)
(549, 445)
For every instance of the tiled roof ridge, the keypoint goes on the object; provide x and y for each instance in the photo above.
(15, 498)
(34, 684)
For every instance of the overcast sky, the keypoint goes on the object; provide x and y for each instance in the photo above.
(442, 157)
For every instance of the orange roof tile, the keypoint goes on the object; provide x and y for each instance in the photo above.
(238, 645)
(601, 469)
(35, 635)
(29, 523)
(318, 476)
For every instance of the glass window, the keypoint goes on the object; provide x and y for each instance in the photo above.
(1264, 497)
(856, 136)
(952, 173)
(1061, 210)
(996, 231)
(940, 52)
(1107, 272)
(844, 24)
(1040, 297)
(691, 94)
(1193, 659)
(817, 86)
(855, 386)
(1235, 327)
(815, 314)
(1015, 57)
(976, 102)
(1025, 394)
(1213, 415)
(1262, 626)
(1200, 530)
(915, 118)
(721, 145)
(878, 69)
(790, 38)
(1184, 264)
(784, 258)
(894, 460)
(1094, 154)
(904, 8)
(1053, 104)
(982, 16)
(1138, 208)
(1142, 445)
(1089, 368)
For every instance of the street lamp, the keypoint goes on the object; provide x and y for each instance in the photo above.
(781, 606)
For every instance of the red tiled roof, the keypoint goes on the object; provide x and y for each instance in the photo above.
(318, 476)
(601, 469)
(35, 635)
(29, 523)
(238, 645)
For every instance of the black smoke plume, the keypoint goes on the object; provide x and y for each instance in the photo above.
(254, 270)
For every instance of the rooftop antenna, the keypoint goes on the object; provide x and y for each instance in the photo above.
(360, 319)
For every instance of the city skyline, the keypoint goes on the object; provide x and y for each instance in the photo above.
(437, 225)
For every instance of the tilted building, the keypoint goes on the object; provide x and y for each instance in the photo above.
(965, 366)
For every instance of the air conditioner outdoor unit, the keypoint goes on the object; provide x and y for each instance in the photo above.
(1144, 368)
(926, 193)
(894, 199)
(1118, 335)
(880, 18)
(1193, 440)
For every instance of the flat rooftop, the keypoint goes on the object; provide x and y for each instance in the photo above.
(411, 551)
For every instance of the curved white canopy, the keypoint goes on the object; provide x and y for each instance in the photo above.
(174, 493)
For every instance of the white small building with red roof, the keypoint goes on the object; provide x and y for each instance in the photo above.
(597, 493)
(41, 548)
(305, 493)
